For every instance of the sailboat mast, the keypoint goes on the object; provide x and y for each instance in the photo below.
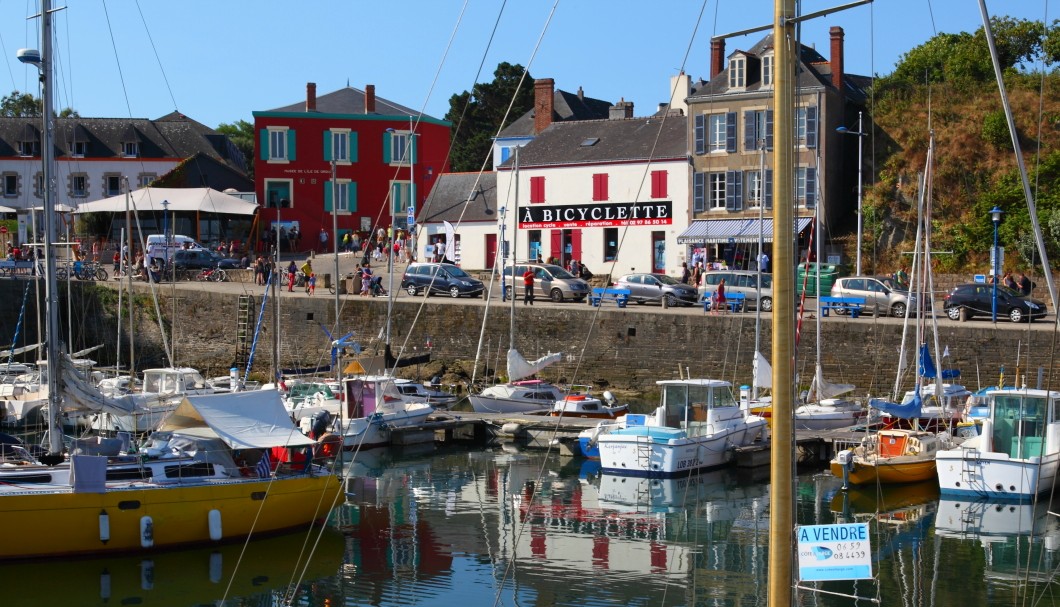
(758, 279)
(127, 261)
(781, 516)
(515, 253)
(51, 293)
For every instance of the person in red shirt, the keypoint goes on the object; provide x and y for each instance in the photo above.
(528, 287)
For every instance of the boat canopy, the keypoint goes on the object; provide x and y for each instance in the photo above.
(243, 420)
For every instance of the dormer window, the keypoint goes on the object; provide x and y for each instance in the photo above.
(738, 72)
(767, 70)
(27, 148)
(130, 149)
(80, 148)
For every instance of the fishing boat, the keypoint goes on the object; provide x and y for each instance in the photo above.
(520, 395)
(697, 426)
(888, 456)
(1016, 454)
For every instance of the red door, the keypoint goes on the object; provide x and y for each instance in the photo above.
(557, 246)
(491, 250)
(576, 245)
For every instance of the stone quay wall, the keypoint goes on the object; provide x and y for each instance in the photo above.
(620, 349)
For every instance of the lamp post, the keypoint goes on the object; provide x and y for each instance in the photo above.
(995, 262)
(860, 135)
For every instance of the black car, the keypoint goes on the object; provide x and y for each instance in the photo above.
(440, 278)
(976, 299)
(197, 259)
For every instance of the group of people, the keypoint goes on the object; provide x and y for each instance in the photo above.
(1019, 282)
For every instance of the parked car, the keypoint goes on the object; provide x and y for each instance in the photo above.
(197, 259)
(440, 278)
(644, 288)
(976, 299)
(549, 279)
(878, 295)
(742, 281)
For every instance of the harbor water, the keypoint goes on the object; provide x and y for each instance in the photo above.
(504, 526)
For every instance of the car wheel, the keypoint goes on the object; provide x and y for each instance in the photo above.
(954, 313)
(767, 304)
(899, 310)
(412, 290)
(556, 295)
(1016, 314)
(671, 300)
(454, 292)
(508, 292)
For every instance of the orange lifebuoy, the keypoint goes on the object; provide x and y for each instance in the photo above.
(575, 397)
(330, 444)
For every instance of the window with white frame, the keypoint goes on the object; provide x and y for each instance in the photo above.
(28, 148)
(130, 149)
(144, 180)
(79, 149)
(111, 185)
(277, 145)
(340, 145)
(716, 136)
(78, 185)
(767, 70)
(399, 147)
(738, 72)
(752, 193)
(757, 129)
(806, 186)
(401, 197)
(342, 196)
(806, 126)
(715, 191)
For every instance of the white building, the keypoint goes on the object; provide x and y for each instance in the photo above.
(461, 209)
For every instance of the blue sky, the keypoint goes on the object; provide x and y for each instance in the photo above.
(218, 61)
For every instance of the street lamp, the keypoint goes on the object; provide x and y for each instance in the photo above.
(860, 135)
(995, 262)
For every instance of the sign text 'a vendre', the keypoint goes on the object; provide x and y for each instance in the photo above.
(655, 213)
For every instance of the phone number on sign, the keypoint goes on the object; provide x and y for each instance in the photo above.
(533, 225)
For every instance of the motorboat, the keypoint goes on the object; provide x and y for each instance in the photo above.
(587, 406)
(1015, 456)
(829, 414)
(890, 455)
(413, 391)
(163, 390)
(372, 411)
(528, 395)
(697, 426)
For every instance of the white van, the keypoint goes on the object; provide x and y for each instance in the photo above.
(158, 248)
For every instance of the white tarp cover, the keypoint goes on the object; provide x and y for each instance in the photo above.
(243, 420)
(180, 199)
(820, 389)
(763, 372)
(518, 367)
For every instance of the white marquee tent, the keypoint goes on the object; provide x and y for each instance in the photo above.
(178, 199)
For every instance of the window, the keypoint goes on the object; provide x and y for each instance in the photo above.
(737, 72)
(806, 126)
(38, 185)
(79, 185)
(10, 185)
(757, 127)
(767, 70)
(28, 148)
(111, 185)
(753, 188)
(699, 134)
(79, 149)
(715, 191)
(537, 190)
(400, 197)
(397, 150)
(659, 184)
(506, 153)
(277, 144)
(130, 149)
(340, 145)
(144, 180)
(733, 190)
(806, 186)
(343, 193)
(610, 244)
(721, 132)
(699, 192)
(600, 186)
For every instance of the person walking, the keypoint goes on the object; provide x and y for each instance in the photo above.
(719, 297)
(292, 273)
(307, 270)
(528, 287)
(686, 274)
(1025, 285)
(323, 240)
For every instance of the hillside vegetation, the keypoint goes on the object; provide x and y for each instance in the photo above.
(947, 87)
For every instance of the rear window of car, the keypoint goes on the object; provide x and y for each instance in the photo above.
(713, 279)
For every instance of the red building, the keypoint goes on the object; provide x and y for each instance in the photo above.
(383, 155)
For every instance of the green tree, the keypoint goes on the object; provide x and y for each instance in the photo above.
(19, 104)
(477, 115)
(241, 133)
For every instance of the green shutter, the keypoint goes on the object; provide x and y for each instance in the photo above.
(414, 151)
(386, 147)
(351, 191)
(264, 144)
(329, 190)
(395, 199)
(290, 145)
(328, 144)
(353, 146)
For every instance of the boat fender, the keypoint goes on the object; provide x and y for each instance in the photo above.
(216, 568)
(104, 585)
(1052, 438)
(104, 526)
(609, 398)
(147, 532)
(147, 575)
(214, 518)
(512, 428)
(986, 437)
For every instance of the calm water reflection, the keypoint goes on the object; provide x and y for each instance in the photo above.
(445, 527)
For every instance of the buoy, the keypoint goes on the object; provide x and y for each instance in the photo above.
(215, 525)
(576, 397)
(104, 526)
(147, 532)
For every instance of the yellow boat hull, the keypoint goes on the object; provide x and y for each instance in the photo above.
(886, 472)
(58, 522)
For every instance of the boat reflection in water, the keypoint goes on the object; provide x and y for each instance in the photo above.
(895, 503)
(183, 577)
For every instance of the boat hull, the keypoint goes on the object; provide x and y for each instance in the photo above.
(487, 404)
(863, 473)
(661, 453)
(375, 430)
(54, 522)
(995, 475)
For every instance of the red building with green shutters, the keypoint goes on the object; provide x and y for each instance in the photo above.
(367, 158)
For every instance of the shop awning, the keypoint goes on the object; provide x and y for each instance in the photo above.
(743, 230)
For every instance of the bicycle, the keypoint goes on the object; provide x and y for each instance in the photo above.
(212, 275)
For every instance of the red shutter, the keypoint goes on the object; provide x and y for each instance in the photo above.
(576, 244)
(658, 184)
(600, 186)
(537, 189)
(557, 245)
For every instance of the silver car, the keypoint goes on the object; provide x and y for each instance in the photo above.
(742, 281)
(879, 297)
(549, 280)
(656, 287)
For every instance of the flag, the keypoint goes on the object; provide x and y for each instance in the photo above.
(264, 468)
(946, 352)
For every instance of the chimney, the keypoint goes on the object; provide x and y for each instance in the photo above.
(311, 97)
(620, 110)
(836, 33)
(369, 99)
(544, 93)
(680, 89)
(581, 94)
(717, 56)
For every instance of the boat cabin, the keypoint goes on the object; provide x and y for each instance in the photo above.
(1022, 423)
(172, 380)
(698, 402)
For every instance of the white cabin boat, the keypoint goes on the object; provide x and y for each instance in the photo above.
(1016, 454)
(163, 390)
(530, 395)
(372, 411)
(697, 426)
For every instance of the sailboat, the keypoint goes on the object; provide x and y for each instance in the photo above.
(206, 478)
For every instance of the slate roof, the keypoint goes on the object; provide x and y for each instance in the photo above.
(350, 100)
(814, 71)
(172, 136)
(451, 191)
(617, 140)
(565, 107)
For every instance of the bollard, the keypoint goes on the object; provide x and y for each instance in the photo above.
(665, 302)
